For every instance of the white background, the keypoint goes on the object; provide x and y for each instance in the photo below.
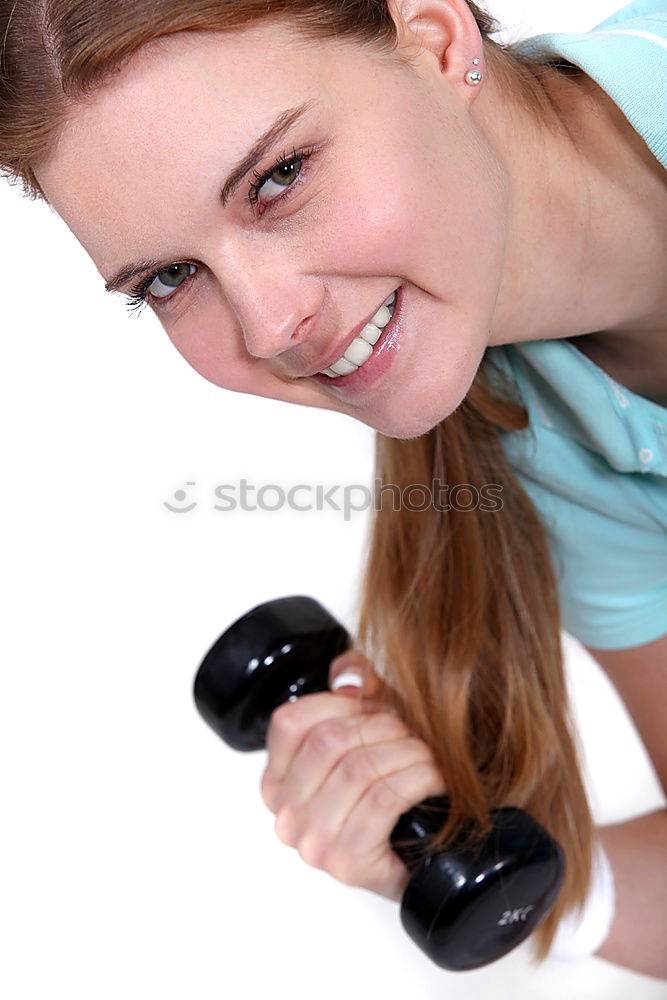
(138, 859)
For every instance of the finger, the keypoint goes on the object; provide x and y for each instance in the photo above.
(343, 752)
(290, 723)
(354, 663)
(345, 828)
(374, 816)
(362, 854)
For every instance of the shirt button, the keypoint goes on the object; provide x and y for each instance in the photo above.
(645, 455)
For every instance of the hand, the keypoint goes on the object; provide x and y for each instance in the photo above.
(341, 770)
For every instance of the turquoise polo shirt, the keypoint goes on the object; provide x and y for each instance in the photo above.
(594, 457)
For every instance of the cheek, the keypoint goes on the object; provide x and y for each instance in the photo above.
(476, 219)
(213, 351)
(433, 221)
(212, 354)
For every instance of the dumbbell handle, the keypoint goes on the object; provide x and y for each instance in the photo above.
(464, 907)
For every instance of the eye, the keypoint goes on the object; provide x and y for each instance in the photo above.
(170, 279)
(278, 181)
(288, 173)
(165, 281)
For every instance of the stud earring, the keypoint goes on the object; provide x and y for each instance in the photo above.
(473, 76)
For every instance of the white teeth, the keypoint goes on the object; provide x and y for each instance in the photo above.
(361, 347)
(381, 318)
(371, 334)
(344, 367)
(358, 351)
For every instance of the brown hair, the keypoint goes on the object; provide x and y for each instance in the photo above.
(458, 608)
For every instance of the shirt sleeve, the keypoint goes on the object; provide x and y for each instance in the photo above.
(607, 533)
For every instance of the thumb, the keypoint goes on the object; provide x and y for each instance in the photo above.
(353, 675)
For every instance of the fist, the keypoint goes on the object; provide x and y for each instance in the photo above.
(340, 772)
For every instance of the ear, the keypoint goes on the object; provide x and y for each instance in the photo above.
(445, 29)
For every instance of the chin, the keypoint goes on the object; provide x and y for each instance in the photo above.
(406, 426)
(405, 419)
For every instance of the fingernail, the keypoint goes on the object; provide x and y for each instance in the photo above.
(345, 679)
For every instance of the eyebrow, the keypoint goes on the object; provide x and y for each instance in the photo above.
(283, 123)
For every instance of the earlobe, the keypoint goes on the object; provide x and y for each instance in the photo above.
(474, 76)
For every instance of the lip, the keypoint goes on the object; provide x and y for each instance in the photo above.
(331, 358)
(382, 357)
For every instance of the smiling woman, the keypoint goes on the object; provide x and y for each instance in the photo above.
(428, 231)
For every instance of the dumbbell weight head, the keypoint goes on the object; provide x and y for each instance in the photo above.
(464, 907)
(276, 652)
(468, 905)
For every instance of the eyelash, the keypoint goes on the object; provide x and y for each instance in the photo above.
(137, 297)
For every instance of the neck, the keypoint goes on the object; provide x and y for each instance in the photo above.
(588, 235)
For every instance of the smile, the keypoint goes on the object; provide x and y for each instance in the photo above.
(371, 353)
(361, 348)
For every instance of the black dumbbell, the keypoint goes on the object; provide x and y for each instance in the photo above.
(463, 907)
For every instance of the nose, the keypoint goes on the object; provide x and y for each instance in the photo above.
(275, 314)
(276, 327)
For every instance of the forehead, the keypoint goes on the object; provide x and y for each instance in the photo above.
(185, 107)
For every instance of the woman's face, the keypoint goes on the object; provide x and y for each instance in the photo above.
(393, 186)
